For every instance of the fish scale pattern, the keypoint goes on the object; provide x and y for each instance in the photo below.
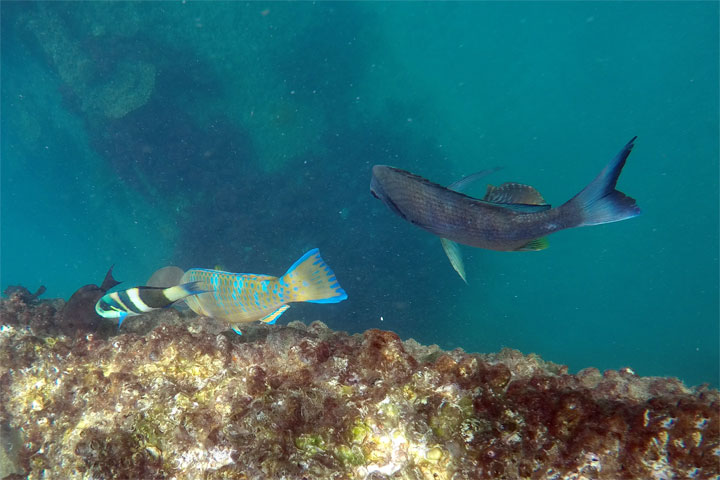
(237, 297)
(245, 297)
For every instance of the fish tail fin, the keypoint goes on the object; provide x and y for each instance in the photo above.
(178, 292)
(599, 202)
(310, 279)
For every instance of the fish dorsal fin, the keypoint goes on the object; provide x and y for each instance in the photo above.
(166, 277)
(510, 192)
(109, 282)
(262, 278)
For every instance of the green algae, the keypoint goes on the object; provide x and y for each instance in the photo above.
(450, 417)
(359, 431)
(350, 455)
(310, 444)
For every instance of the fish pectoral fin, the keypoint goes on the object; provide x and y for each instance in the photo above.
(236, 330)
(536, 244)
(510, 192)
(452, 250)
(271, 318)
(461, 184)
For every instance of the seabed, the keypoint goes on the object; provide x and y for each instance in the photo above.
(177, 396)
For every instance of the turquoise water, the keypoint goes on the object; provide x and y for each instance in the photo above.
(242, 135)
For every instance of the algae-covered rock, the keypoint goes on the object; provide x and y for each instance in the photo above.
(172, 398)
(126, 87)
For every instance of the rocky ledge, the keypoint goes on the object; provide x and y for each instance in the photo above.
(174, 396)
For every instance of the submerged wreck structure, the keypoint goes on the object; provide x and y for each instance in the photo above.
(174, 397)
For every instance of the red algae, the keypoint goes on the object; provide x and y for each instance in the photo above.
(173, 396)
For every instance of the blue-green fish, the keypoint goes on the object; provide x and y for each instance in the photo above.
(139, 300)
(510, 217)
(245, 297)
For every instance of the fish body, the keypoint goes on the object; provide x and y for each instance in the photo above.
(243, 297)
(139, 300)
(510, 217)
(79, 312)
(23, 293)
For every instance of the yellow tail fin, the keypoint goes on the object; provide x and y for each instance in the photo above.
(310, 279)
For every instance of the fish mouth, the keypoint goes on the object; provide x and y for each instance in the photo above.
(377, 190)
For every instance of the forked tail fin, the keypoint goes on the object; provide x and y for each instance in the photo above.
(311, 280)
(599, 202)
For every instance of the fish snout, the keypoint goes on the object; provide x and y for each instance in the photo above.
(376, 188)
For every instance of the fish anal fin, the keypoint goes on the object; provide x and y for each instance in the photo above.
(534, 245)
(511, 192)
(271, 318)
(452, 250)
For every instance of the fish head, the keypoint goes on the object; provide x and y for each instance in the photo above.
(105, 308)
(79, 314)
(381, 174)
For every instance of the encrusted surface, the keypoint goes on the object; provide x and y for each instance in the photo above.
(296, 401)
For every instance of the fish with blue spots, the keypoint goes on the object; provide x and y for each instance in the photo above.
(244, 297)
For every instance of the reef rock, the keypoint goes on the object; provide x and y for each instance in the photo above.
(127, 87)
(184, 401)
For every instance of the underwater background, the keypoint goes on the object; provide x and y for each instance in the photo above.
(241, 135)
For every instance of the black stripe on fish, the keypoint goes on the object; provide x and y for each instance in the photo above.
(154, 297)
(106, 306)
(128, 303)
(116, 303)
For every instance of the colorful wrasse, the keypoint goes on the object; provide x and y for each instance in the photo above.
(243, 297)
(139, 300)
(510, 217)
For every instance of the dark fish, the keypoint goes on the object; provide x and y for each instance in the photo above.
(510, 217)
(23, 293)
(166, 277)
(79, 311)
(452, 249)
